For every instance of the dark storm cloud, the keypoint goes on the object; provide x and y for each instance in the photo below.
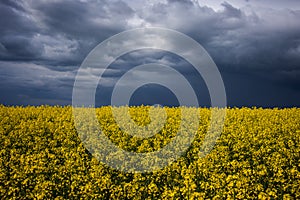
(87, 23)
(147, 56)
(13, 4)
(263, 42)
(57, 32)
(239, 37)
(182, 2)
(254, 41)
(86, 20)
(16, 33)
(231, 11)
(23, 83)
(63, 32)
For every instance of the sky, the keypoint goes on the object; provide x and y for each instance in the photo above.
(254, 43)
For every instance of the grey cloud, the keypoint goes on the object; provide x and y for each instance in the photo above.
(19, 48)
(58, 35)
(16, 33)
(231, 11)
(91, 20)
(87, 23)
(57, 32)
(182, 2)
(68, 30)
(242, 39)
(24, 74)
(24, 83)
(13, 4)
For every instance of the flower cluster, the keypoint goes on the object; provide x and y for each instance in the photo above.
(256, 156)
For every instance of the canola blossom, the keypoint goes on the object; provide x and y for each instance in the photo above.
(256, 156)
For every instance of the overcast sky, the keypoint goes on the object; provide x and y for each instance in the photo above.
(254, 43)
